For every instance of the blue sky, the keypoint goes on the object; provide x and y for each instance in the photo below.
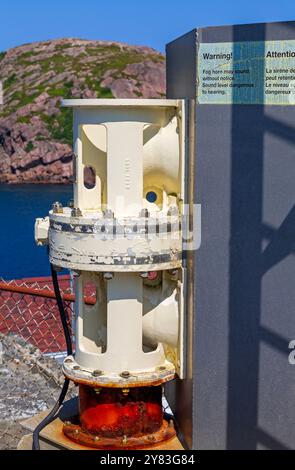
(149, 22)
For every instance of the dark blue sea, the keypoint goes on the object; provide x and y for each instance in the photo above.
(20, 205)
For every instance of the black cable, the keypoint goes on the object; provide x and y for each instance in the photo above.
(62, 312)
(52, 415)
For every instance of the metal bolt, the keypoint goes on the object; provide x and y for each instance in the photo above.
(161, 368)
(173, 273)
(108, 276)
(68, 361)
(125, 375)
(97, 391)
(68, 423)
(57, 208)
(96, 439)
(124, 440)
(97, 373)
(76, 212)
(108, 214)
(144, 213)
(76, 431)
(71, 204)
(125, 391)
(76, 368)
(144, 275)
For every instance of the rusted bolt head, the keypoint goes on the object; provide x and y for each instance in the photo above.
(125, 374)
(76, 368)
(97, 373)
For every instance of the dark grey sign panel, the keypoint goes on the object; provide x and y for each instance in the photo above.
(243, 379)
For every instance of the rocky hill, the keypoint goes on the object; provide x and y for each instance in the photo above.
(35, 133)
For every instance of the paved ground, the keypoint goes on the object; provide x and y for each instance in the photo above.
(29, 383)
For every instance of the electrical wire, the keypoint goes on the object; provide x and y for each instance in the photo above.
(53, 413)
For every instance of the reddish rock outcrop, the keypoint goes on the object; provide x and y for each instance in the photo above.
(35, 133)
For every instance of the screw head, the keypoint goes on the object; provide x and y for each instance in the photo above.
(76, 368)
(68, 361)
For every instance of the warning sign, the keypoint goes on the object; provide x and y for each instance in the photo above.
(247, 73)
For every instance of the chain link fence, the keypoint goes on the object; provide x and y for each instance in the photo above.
(32, 346)
(31, 343)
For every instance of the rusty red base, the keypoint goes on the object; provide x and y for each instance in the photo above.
(116, 418)
(78, 435)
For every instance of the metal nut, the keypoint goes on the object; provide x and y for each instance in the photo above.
(144, 275)
(97, 373)
(76, 212)
(108, 214)
(108, 276)
(57, 208)
(125, 374)
(144, 213)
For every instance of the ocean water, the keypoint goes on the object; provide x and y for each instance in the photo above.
(20, 205)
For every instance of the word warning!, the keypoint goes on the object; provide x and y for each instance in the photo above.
(247, 73)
